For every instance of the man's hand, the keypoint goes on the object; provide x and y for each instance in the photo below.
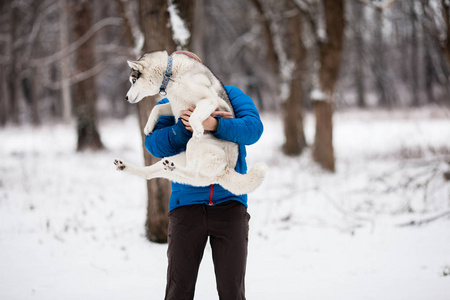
(209, 124)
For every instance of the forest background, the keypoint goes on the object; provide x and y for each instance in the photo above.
(307, 64)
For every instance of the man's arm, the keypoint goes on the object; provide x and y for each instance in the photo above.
(247, 127)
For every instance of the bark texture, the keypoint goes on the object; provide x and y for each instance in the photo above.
(358, 20)
(446, 14)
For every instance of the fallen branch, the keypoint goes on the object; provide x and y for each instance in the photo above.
(425, 221)
(346, 212)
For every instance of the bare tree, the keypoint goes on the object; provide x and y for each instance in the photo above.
(64, 64)
(436, 25)
(4, 51)
(446, 15)
(13, 72)
(379, 65)
(294, 133)
(358, 24)
(272, 56)
(330, 53)
(199, 29)
(285, 53)
(414, 54)
(85, 91)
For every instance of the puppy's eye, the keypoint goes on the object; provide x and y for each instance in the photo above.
(133, 80)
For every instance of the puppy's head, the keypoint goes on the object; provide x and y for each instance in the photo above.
(146, 75)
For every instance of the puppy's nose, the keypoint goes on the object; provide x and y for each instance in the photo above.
(126, 98)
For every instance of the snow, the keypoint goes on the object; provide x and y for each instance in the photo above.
(318, 95)
(180, 31)
(72, 227)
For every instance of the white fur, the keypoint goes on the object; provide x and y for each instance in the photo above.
(207, 160)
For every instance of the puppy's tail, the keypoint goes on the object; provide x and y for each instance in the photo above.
(240, 184)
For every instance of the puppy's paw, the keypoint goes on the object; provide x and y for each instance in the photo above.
(197, 135)
(150, 125)
(120, 165)
(168, 166)
(148, 129)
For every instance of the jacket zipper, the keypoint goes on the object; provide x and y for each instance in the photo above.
(211, 195)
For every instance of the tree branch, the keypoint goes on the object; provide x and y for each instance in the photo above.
(426, 220)
(268, 34)
(381, 6)
(112, 21)
(133, 34)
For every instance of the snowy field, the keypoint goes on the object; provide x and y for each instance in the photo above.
(71, 227)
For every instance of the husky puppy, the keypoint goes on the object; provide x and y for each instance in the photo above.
(187, 82)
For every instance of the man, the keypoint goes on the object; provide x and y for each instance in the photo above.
(196, 213)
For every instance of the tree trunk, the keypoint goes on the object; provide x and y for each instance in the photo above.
(29, 88)
(85, 91)
(358, 14)
(330, 60)
(323, 151)
(382, 84)
(64, 64)
(3, 97)
(13, 74)
(429, 72)
(295, 140)
(4, 9)
(200, 26)
(414, 55)
(440, 38)
(154, 17)
(446, 15)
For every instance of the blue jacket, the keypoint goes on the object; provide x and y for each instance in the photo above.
(170, 138)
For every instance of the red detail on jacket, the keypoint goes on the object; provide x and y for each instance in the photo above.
(211, 195)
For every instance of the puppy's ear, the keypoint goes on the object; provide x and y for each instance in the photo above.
(135, 65)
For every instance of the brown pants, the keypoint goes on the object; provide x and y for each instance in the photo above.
(226, 225)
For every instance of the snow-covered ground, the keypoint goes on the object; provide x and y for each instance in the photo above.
(71, 227)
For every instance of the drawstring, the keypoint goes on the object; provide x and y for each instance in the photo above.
(211, 196)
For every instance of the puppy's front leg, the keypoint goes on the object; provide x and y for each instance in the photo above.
(203, 110)
(172, 168)
(157, 111)
(129, 168)
(153, 171)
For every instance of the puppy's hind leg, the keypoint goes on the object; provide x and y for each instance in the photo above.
(145, 172)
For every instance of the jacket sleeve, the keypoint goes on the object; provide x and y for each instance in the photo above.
(168, 138)
(247, 127)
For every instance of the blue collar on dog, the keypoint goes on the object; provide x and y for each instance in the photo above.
(167, 75)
